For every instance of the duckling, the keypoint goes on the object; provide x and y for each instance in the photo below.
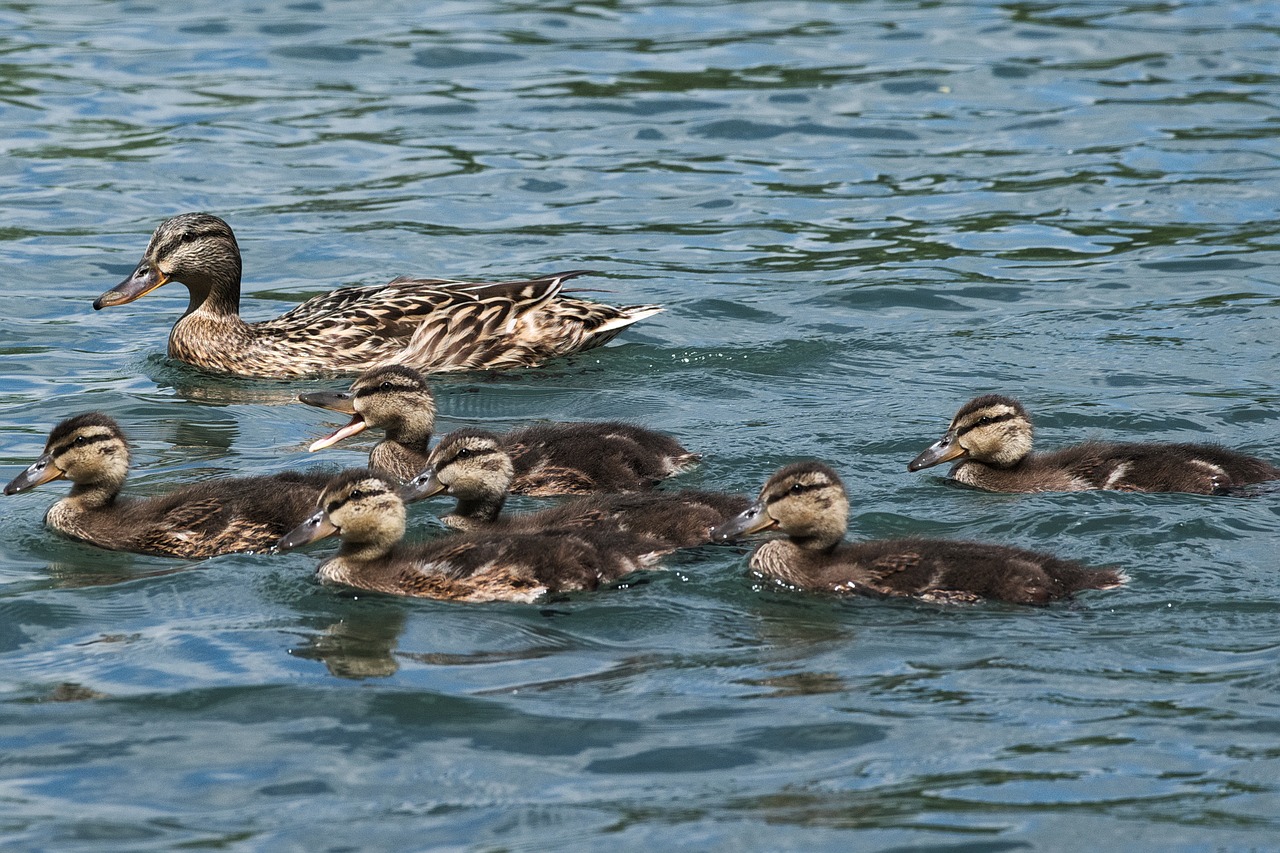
(195, 521)
(474, 466)
(991, 439)
(808, 503)
(550, 459)
(432, 324)
(366, 511)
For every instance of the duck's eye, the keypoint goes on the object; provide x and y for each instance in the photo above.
(385, 386)
(983, 421)
(80, 441)
(797, 488)
(357, 495)
(463, 453)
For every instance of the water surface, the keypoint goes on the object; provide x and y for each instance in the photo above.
(858, 216)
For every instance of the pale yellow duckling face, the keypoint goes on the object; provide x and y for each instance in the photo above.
(992, 429)
(468, 464)
(395, 398)
(359, 506)
(88, 450)
(196, 249)
(806, 501)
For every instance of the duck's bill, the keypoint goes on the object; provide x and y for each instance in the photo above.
(142, 281)
(944, 450)
(425, 485)
(356, 426)
(41, 471)
(315, 528)
(335, 401)
(753, 520)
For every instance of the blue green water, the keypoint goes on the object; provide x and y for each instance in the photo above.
(858, 216)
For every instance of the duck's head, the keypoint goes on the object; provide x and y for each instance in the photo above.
(395, 398)
(90, 450)
(806, 501)
(196, 249)
(992, 429)
(357, 505)
(469, 464)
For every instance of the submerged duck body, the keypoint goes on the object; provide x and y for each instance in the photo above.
(549, 459)
(990, 440)
(808, 503)
(473, 466)
(193, 522)
(432, 324)
(369, 516)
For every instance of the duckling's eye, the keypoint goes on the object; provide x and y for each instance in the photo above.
(797, 488)
(983, 421)
(463, 453)
(80, 441)
(385, 386)
(357, 495)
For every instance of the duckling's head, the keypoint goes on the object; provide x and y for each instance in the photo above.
(470, 464)
(806, 501)
(197, 249)
(394, 397)
(992, 429)
(90, 450)
(357, 505)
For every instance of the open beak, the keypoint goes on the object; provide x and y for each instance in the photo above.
(752, 520)
(943, 450)
(142, 281)
(425, 485)
(41, 471)
(335, 401)
(315, 528)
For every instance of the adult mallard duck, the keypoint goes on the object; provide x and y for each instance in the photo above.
(432, 324)
(474, 467)
(990, 441)
(807, 502)
(367, 513)
(195, 521)
(548, 459)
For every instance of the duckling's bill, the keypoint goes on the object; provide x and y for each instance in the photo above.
(357, 425)
(943, 450)
(41, 471)
(425, 485)
(752, 520)
(315, 528)
(140, 282)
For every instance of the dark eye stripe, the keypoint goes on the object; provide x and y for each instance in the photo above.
(990, 419)
(378, 389)
(185, 237)
(791, 490)
(88, 440)
(475, 453)
(338, 503)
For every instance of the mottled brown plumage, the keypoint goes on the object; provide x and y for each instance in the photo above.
(195, 521)
(991, 438)
(549, 459)
(807, 502)
(473, 466)
(431, 324)
(366, 512)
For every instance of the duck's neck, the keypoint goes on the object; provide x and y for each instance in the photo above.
(91, 496)
(215, 291)
(398, 460)
(825, 541)
(366, 551)
(484, 509)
